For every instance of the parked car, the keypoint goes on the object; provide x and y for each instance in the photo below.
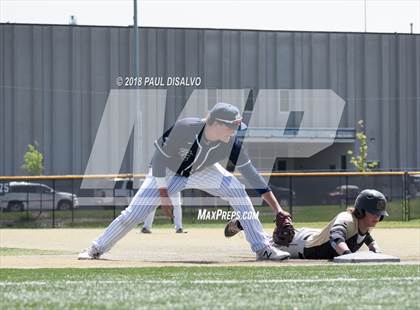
(20, 196)
(118, 192)
(414, 185)
(340, 192)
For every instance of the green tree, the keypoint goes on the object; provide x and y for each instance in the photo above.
(360, 160)
(33, 160)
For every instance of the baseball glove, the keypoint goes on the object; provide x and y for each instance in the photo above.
(284, 232)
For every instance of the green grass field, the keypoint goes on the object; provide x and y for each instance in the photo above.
(278, 287)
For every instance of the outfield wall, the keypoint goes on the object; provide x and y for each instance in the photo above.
(55, 79)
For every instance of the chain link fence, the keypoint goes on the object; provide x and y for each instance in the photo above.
(61, 201)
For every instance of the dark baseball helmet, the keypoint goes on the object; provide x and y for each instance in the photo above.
(372, 201)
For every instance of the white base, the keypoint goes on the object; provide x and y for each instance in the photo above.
(366, 257)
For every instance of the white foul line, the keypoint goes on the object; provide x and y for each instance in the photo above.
(23, 283)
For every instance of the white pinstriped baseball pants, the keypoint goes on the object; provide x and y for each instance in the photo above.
(214, 179)
(297, 246)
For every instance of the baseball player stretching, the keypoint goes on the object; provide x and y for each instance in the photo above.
(187, 156)
(344, 234)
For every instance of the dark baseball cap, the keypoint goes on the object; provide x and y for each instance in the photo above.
(227, 114)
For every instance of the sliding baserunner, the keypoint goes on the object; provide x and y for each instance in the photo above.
(344, 234)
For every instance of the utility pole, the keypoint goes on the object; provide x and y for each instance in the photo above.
(365, 15)
(135, 42)
(137, 152)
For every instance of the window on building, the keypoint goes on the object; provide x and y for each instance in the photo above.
(280, 165)
(343, 162)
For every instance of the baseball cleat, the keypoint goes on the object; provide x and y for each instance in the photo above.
(180, 231)
(232, 228)
(272, 253)
(145, 230)
(89, 254)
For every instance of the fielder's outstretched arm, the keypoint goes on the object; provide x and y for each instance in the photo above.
(159, 172)
(260, 185)
(271, 200)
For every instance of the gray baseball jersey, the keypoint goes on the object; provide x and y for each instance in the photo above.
(184, 150)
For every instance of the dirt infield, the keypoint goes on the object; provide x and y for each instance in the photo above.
(200, 246)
